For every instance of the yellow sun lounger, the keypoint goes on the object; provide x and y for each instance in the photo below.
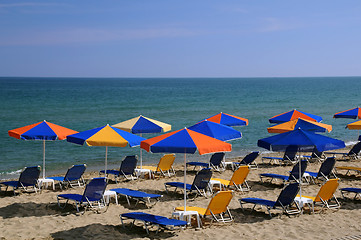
(238, 180)
(164, 167)
(356, 169)
(217, 207)
(326, 194)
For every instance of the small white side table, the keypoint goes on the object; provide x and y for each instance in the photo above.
(46, 181)
(181, 215)
(215, 182)
(142, 172)
(301, 201)
(107, 194)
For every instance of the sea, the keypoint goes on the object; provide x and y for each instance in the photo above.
(85, 103)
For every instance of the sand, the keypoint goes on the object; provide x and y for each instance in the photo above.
(37, 216)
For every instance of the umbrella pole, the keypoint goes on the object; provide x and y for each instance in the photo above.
(141, 157)
(106, 160)
(299, 173)
(185, 174)
(44, 159)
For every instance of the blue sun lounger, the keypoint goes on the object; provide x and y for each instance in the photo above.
(325, 171)
(215, 162)
(137, 195)
(93, 196)
(294, 174)
(28, 178)
(356, 191)
(290, 156)
(73, 177)
(284, 200)
(152, 220)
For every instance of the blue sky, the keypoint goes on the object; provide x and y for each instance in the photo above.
(170, 38)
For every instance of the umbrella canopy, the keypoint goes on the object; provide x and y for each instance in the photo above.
(354, 125)
(105, 136)
(294, 114)
(44, 131)
(354, 113)
(300, 123)
(216, 130)
(143, 124)
(228, 119)
(185, 141)
(305, 141)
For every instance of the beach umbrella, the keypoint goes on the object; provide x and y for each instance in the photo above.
(185, 141)
(43, 131)
(216, 130)
(354, 125)
(300, 123)
(294, 114)
(141, 125)
(303, 141)
(354, 113)
(228, 119)
(105, 136)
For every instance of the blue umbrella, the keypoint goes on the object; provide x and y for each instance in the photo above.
(216, 130)
(304, 141)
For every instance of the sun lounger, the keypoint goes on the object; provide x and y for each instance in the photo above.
(325, 171)
(326, 195)
(28, 178)
(137, 195)
(164, 167)
(290, 157)
(73, 177)
(152, 220)
(248, 160)
(217, 208)
(215, 162)
(91, 198)
(293, 176)
(199, 185)
(348, 169)
(352, 154)
(285, 201)
(315, 155)
(126, 169)
(356, 191)
(238, 179)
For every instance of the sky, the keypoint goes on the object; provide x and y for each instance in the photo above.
(173, 38)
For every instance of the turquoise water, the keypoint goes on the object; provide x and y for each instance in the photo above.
(82, 104)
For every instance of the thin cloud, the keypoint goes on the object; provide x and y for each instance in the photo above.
(74, 36)
(275, 25)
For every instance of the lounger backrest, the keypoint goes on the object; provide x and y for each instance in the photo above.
(327, 190)
(166, 162)
(295, 173)
(202, 179)
(355, 150)
(219, 202)
(316, 153)
(216, 158)
(94, 190)
(326, 167)
(30, 176)
(249, 158)
(75, 172)
(290, 153)
(239, 176)
(128, 164)
(287, 195)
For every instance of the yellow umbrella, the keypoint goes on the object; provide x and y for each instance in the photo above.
(354, 125)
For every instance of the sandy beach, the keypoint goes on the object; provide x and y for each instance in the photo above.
(37, 216)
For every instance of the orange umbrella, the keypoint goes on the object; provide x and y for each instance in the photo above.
(354, 125)
(185, 141)
(44, 131)
(300, 123)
